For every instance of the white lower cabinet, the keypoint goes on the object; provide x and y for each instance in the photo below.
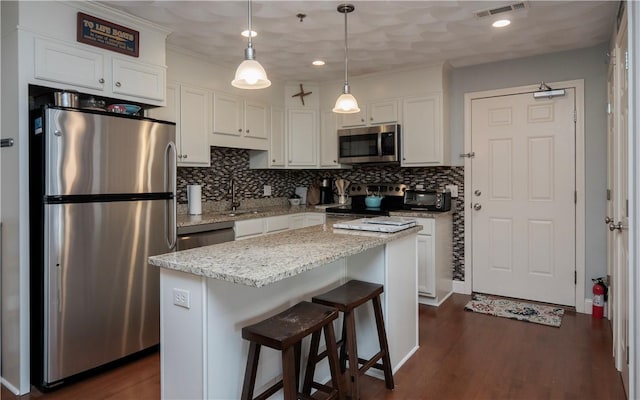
(248, 228)
(434, 258)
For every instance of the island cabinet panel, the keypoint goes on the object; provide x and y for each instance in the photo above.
(203, 353)
(434, 259)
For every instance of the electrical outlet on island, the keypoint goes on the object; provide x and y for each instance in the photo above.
(267, 190)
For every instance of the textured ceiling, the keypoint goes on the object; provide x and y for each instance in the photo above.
(382, 34)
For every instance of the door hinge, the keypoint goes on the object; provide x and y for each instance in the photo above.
(575, 277)
(608, 108)
(608, 194)
(626, 60)
(575, 116)
(627, 354)
(575, 197)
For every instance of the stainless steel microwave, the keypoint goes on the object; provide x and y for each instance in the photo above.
(373, 144)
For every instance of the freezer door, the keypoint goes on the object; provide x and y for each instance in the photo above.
(101, 295)
(103, 154)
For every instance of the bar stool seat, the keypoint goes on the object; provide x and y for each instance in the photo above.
(347, 298)
(285, 332)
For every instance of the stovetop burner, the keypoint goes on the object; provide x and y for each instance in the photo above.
(393, 199)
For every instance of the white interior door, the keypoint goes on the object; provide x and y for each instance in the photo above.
(523, 195)
(611, 156)
(619, 225)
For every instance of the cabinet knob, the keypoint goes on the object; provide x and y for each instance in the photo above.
(179, 155)
(370, 118)
(240, 130)
(101, 80)
(335, 162)
(273, 160)
(184, 156)
(289, 160)
(247, 131)
(361, 119)
(118, 84)
(404, 159)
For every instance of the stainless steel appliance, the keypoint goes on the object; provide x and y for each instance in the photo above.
(392, 199)
(190, 237)
(326, 191)
(102, 201)
(427, 200)
(374, 144)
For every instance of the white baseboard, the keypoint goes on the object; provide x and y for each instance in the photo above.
(588, 306)
(10, 387)
(461, 287)
(432, 301)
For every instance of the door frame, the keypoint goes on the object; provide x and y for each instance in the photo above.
(578, 84)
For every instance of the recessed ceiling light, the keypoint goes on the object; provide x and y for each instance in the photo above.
(501, 23)
(318, 63)
(245, 33)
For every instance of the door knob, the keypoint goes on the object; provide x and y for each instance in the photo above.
(613, 227)
(608, 220)
(477, 192)
(477, 206)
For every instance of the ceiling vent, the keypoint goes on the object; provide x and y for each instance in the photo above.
(499, 10)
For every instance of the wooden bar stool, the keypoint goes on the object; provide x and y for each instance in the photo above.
(347, 298)
(285, 332)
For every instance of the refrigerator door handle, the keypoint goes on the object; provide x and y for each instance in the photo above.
(170, 173)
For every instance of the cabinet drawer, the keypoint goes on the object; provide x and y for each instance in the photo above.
(314, 219)
(428, 226)
(249, 227)
(274, 224)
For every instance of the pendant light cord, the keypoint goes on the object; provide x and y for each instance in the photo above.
(346, 52)
(249, 19)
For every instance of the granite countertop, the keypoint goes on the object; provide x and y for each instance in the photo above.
(270, 258)
(420, 214)
(224, 216)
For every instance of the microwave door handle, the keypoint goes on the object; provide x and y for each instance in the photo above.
(379, 144)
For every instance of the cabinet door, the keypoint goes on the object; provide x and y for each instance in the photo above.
(383, 112)
(329, 139)
(249, 228)
(170, 112)
(422, 141)
(138, 79)
(302, 127)
(276, 146)
(255, 120)
(276, 224)
(312, 219)
(296, 221)
(355, 119)
(227, 114)
(426, 265)
(194, 127)
(61, 63)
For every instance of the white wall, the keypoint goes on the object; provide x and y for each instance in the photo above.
(588, 64)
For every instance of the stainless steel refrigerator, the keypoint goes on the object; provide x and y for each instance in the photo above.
(102, 201)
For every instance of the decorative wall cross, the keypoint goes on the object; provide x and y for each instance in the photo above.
(301, 94)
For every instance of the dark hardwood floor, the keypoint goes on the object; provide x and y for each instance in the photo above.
(462, 355)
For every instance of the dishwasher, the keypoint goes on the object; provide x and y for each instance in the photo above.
(193, 236)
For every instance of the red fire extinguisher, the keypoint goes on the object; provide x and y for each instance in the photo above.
(599, 292)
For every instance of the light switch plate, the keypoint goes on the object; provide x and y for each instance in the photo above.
(267, 190)
(453, 189)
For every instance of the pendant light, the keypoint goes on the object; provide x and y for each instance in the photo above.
(346, 103)
(250, 74)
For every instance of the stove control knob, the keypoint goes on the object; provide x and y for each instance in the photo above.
(397, 189)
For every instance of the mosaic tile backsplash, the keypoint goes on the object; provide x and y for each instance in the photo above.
(227, 163)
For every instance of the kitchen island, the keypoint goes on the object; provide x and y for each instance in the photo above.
(208, 294)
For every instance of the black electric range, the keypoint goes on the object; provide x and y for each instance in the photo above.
(393, 199)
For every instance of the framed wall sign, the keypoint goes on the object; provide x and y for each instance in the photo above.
(107, 35)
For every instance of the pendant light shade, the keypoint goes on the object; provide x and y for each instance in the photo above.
(346, 103)
(250, 74)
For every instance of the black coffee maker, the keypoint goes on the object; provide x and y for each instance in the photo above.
(326, 191)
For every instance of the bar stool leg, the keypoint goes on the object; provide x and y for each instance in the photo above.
(384, 346)
(352, 347)
(311, 363)
(332, 352)
(343, 346)
(250, 371)
(289, 374)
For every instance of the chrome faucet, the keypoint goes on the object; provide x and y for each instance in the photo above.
(232, 187)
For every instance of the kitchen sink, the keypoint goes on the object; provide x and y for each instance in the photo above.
(241, 212)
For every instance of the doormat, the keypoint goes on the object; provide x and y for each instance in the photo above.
(539, 314)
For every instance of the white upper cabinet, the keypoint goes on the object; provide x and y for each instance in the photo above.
(239, 123)
(101, 72)
(138, 79)
(189, 108)
(302, 129)
(276, 146)
(424, 140)
(374, 113)
(57, 62)
(329, 140)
